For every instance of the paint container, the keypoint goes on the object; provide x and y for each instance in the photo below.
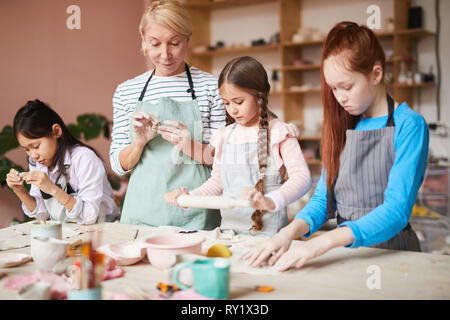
(85, 294)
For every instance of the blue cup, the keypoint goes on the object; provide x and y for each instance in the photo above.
(86, 294)
(211, 277)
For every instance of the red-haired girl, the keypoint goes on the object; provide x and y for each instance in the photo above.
(374, 154)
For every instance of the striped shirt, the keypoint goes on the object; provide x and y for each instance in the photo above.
(210, 105)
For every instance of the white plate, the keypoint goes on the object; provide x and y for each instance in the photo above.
(12, 259)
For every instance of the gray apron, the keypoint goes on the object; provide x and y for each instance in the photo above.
(162, 168)
(363, 175)
(239, 170)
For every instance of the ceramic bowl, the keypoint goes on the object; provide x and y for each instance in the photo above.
(124, 254)
(47, 252)
(162, 250)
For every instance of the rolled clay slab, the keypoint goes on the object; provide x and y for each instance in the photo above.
(12, 259)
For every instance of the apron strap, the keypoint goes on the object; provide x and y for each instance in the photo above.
(390, 121)
(191, 84)
(146, 84)
(331, 199)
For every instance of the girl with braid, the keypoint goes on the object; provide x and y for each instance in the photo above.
(252, 155)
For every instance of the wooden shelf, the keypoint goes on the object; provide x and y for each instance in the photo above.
(222, 4)
(224, 51)
(290, 20)
(301, 44)
(415, 85)
(298, 68)
(380, 34)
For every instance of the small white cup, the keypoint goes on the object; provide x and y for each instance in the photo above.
(47, 252)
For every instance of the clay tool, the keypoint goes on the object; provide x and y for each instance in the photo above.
(212, 202)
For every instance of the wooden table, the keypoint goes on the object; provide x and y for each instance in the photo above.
(342, 273)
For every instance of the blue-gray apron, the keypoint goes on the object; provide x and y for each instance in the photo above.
(362, 179)
(162, 168)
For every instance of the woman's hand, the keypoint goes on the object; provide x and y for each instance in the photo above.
(257, 199)
(14, 179)
(271, 250)
(171, 197)
(145, 126)
(177, 134)
(42, 181)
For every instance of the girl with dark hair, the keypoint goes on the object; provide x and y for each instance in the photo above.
(252, 155)
(374, 153)
(68, 178)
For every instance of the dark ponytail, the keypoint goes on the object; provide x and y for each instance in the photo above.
(35, 120)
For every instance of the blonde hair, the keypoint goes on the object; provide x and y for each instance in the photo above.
(171, 14)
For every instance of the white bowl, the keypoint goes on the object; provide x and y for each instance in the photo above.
(162, 250)
(124, 254)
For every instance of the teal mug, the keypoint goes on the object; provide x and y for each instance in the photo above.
(211, 277)
(86, 294)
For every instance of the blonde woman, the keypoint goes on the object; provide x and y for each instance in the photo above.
(162, 123)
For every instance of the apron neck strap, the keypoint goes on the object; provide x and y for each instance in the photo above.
(146, 84)
(191, 83)
(390, 120)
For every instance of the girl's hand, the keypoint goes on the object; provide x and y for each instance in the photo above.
(145, 126)
(298, 255)
(171, 197)
(42, 181)
(258, 200)
(271, 250)
(176, 133)
(14, 179)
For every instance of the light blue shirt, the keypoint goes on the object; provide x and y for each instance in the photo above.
(411, 138)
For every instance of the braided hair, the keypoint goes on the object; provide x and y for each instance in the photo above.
(248, 74)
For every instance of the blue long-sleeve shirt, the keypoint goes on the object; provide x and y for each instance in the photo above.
(411, 138)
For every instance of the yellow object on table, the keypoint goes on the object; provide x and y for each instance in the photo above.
(218, 250)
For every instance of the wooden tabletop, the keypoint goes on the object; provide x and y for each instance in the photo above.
(342, 273)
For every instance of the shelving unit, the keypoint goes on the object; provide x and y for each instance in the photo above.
(292, 75)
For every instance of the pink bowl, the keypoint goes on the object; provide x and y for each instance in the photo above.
(162, 249)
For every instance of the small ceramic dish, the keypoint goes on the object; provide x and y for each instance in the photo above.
(12, 259)
(124, 254)
(162, 250)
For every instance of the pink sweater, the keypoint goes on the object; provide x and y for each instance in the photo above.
(286, 151)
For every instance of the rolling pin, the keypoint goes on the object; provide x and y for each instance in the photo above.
(212, 202)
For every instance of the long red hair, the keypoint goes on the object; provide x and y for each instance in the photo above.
(364, 52)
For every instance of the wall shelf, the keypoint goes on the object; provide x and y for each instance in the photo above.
(290, 20)
(225, 51)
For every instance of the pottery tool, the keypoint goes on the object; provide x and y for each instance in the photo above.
(135, 234)
(212, 202)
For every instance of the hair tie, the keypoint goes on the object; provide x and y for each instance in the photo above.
(350, 25)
